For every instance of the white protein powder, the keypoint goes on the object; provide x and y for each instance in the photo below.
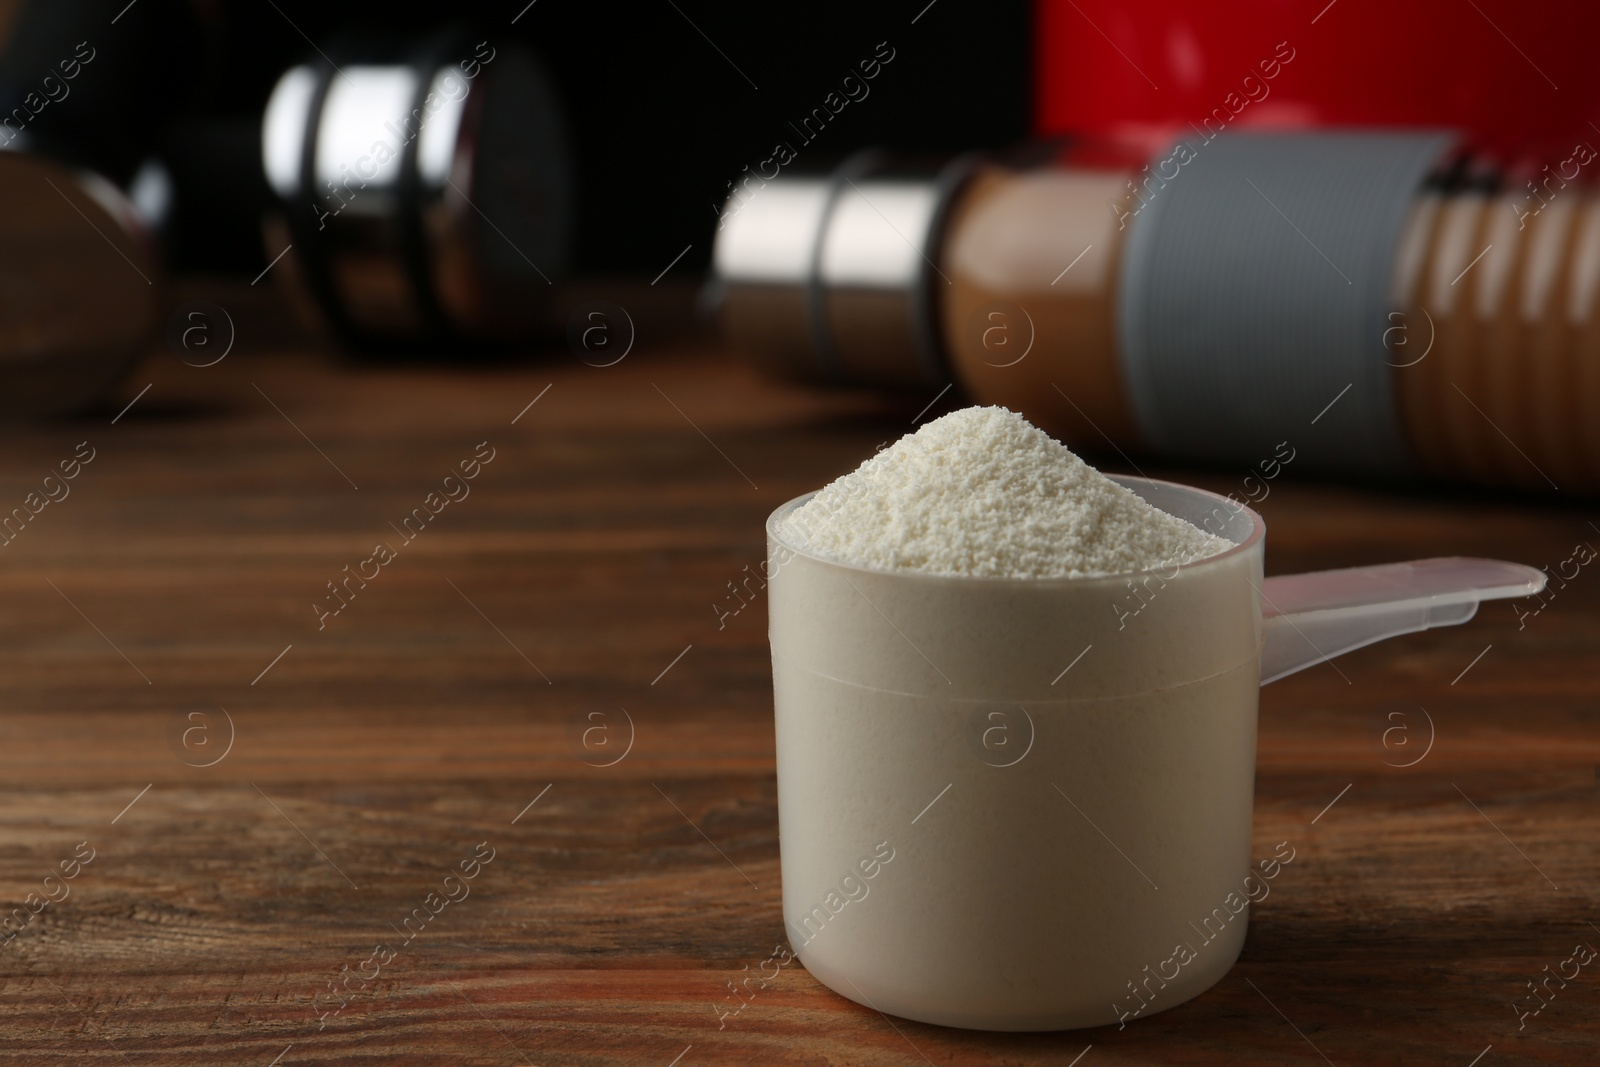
(982, 492)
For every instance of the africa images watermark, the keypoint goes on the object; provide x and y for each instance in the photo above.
(1583, 954)
(782, 956)
(1255, 89)
(1264, 472)
(33, 103)
(455, 489)
(453, 889)
(34, 903)
(367, 167)
(12, 525)
(853, 88)
(1543, 188)
(1583, 553)
(1211, 927)
(765, 568)
(851, 889)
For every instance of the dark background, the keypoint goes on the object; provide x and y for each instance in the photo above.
(660, 121)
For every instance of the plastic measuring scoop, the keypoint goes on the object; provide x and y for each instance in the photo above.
(1313, 617)
(1002, 802)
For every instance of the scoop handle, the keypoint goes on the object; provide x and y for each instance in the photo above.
(1313, 617)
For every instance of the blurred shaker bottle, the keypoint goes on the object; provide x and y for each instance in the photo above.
(1373, 299)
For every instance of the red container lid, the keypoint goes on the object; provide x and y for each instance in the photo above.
(1520, 79)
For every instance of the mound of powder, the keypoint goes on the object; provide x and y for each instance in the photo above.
(982, 492)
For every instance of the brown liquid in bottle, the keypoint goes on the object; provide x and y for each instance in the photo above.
(1029, 314)
(1494, 341)
(1499, 376)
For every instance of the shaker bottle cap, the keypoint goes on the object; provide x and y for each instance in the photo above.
(832, 278)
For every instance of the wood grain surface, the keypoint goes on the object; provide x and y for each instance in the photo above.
(160, 616)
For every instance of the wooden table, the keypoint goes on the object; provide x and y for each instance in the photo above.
(464, 694)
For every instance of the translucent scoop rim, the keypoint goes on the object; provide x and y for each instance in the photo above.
(1258, 531)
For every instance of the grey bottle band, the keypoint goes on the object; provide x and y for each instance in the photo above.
(1256, 289)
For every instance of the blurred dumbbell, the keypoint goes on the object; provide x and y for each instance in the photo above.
(424, 192)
